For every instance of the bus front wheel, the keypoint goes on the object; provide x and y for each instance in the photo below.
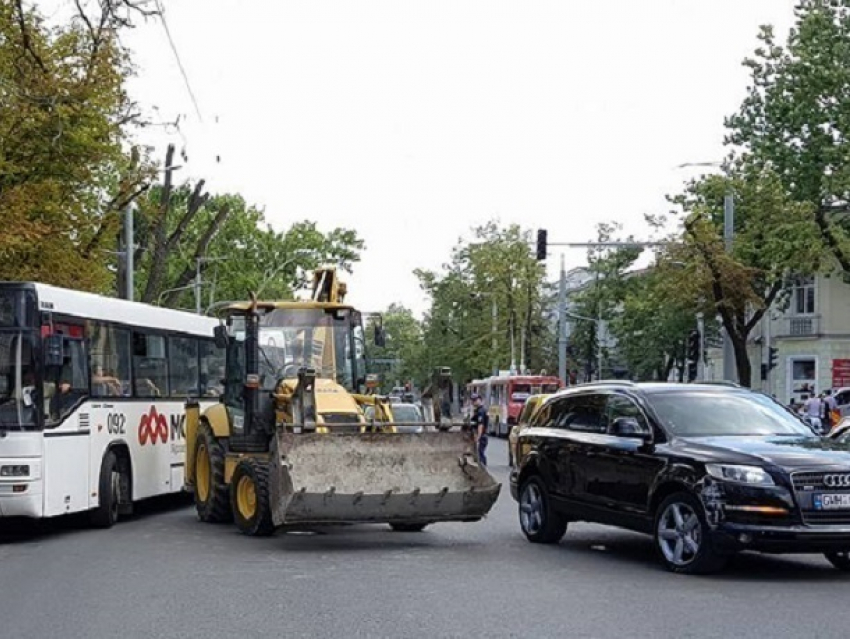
(109, 493)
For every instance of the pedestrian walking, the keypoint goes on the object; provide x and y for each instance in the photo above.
(813, 409)
(480, 421)
(830, 410)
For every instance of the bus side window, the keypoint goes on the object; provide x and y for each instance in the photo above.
(150, 366)
(109, 360)
(183, 366)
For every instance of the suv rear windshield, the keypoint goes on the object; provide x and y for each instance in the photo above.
(707, 414)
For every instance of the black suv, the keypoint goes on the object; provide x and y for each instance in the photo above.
(707, 470)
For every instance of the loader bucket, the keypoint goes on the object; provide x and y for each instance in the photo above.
(378, 477)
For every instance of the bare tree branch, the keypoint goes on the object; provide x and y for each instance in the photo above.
(195, 204)
(25, 36)
(158, 236)
(203, 244)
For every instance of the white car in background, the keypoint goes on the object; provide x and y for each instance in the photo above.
(402, 414)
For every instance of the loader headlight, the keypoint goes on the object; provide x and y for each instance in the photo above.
(18, 470)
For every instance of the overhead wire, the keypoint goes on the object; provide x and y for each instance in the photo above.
(173, 46)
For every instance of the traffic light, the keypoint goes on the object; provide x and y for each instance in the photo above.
(771, 357)
(694, 346)
(542, 243)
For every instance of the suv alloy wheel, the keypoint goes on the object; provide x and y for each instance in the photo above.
(538, 520)
(683, 538)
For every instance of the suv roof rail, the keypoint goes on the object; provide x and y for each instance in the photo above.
(722, 383)
(606, 382)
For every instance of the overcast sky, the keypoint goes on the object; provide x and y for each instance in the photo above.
(415, 121)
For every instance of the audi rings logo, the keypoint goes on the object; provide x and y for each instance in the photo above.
(153, 427)
(837, 481)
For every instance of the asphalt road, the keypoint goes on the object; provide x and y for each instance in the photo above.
(164, 574)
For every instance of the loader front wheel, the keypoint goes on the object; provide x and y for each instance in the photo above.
(212, 500)
(408, 527)
(249, 496)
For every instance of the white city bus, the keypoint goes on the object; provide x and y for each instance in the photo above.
(92, 394)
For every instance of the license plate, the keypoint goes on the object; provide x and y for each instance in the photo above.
(832, 502)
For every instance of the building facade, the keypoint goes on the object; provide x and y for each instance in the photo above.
(811, 334)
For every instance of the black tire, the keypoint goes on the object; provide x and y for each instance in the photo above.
(252, 476)
(839, 558)
(540, 523)
(213, 502)
(109, 491)
(408, 527)
(687, 532)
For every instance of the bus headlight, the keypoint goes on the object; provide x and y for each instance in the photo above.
(18, 470)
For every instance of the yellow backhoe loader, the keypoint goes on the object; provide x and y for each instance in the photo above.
(289, 443)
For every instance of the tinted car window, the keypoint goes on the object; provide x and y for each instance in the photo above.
(620, 406)
(707, 414)
(583, 413)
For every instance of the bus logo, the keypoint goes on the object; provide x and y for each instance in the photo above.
(153, 427)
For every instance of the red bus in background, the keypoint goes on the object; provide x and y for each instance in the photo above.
(504, 397)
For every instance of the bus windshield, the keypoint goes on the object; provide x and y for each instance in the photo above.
(19, 396)
(19, 399)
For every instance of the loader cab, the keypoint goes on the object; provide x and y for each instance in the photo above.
(327, 338)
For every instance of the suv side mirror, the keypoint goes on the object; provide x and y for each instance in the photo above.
(220, 336)
(628, 427)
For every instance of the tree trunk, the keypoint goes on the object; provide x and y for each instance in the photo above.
(742, 361)
(158, 265)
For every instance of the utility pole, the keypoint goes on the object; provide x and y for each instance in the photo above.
(198, 308)
(129, 251)
(513, 351)
(495, 345)
(562, 325)
(701, 360)
(729, 368)
(522, 351)
(766, 350)
(598, 330)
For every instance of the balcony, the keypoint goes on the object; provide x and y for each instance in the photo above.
(798, 326)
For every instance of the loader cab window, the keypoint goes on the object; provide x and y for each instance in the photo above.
(351, 356)
(234, 369)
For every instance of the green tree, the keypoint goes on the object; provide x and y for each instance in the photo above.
(795, 120)
(403, 335)
(599, 303)
(652, 324)
(239, 251)
(776, 239)
(497, 268)
(64, 124)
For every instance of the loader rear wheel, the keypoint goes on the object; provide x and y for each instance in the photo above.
(408, 527)
(212, 499)
(249, 496)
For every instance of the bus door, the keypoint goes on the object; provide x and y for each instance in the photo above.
(67, 435)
